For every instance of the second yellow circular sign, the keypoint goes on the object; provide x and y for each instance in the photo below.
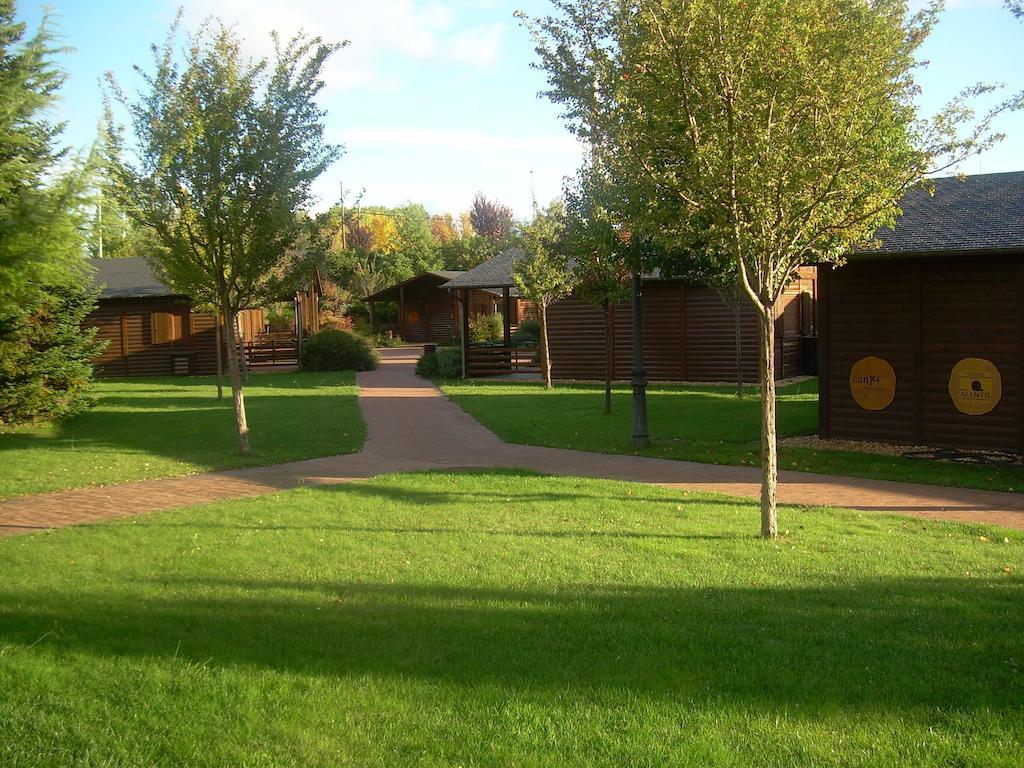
(975, 386)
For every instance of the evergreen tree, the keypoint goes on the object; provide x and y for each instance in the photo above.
(39, 236)
(45, 354)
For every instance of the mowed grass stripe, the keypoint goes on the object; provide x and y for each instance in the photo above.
(497, 619)
(146, 428)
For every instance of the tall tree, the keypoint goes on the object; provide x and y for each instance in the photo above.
(490, 218)
(599, 254)
(442, 227)
(226, 149)
(785, 131)
(45, 292)
(418, 245)
(542, 273)
(38, 243)
(109, 231)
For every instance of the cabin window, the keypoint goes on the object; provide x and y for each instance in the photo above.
(166, 327)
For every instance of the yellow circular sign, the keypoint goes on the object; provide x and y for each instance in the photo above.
(975, 386)
(414, 316)
(873, 383)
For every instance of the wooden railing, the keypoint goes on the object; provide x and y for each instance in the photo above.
(265, 353)
(501, 361)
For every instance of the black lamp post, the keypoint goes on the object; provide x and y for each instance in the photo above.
(641, 439)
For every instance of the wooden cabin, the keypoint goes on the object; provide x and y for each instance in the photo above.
(153, 331)
(921, 340)
(428, 312)
(689, 331)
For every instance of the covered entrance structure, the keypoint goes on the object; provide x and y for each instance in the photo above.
(495, 277)
(426, 312)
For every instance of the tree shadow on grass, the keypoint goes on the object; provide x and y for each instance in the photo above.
(947, 644)
(504, 498)
(198, 431)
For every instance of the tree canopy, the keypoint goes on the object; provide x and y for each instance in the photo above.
(764, 134)
(225, 151)
(40, 186)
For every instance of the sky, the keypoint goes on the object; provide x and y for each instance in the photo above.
(436, 100)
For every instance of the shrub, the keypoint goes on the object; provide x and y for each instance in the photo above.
(426, 366)
(487, 328)
(336, 322)
(449, 363)
(383, 340)
(527, 334)
(443, 364)
(45, 356)
(362, 326)
(334, 350)
(280, 318)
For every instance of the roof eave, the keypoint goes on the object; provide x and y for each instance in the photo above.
(932, 254)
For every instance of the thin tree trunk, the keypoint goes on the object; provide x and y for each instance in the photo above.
(242, 363)
(607, 358)
(220, 356)
(769, 447)
(737, 309)
(545, 357)
(236, 381)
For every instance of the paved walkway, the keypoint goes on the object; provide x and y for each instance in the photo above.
(412, 426)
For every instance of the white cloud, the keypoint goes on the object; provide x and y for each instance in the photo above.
(417, 29)
(443, 169)
(477, 46)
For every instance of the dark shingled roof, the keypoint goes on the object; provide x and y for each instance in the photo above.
(493, 273)
(976, 213)
(126, 279)
(390, 293)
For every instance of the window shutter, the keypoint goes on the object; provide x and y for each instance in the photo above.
(159, 327)
(166, 327)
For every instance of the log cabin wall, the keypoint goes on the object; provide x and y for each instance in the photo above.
(923, 316)
(689, 334)
(429, 315)
(133, 349)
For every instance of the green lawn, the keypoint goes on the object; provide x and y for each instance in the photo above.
(144, 428)
(503, 620)
(695, 423)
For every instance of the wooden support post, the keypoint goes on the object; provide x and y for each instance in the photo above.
(401, 311)
(506, 311)
(373, 317)
(465, 333)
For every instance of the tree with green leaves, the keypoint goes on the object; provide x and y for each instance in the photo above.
(542, 273)
(778, 133)
(226, 150)
(110, 232)
(599, 253)
(46, 353)
(45, 291)
(39, 240)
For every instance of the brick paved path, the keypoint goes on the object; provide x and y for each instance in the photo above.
(412, 426)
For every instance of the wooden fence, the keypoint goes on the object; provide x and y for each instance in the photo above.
(501, 361)
(266, 353)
